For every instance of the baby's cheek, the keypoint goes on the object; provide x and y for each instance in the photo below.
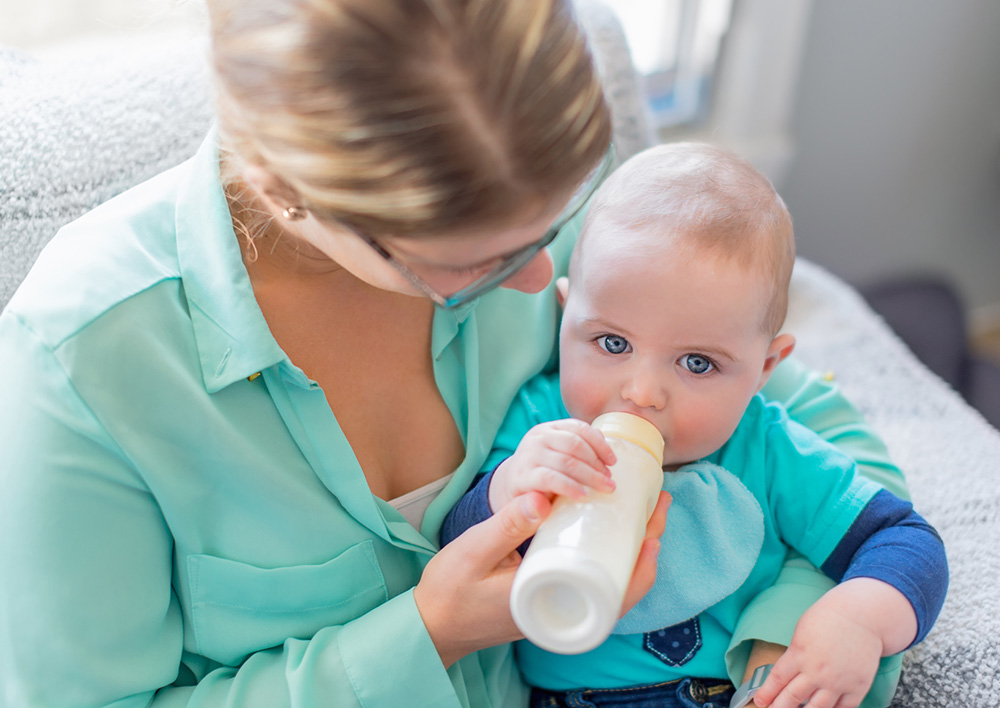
(583, 400)
(682, 439)
(696, 434)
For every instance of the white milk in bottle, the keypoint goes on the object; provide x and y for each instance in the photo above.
(569, 589)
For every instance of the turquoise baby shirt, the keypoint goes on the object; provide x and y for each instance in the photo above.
(774, 484)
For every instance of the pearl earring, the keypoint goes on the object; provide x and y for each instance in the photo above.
(294, 213)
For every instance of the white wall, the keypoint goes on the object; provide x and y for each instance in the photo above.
(46, 28)
(896, 132)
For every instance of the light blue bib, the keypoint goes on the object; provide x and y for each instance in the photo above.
(714, 533)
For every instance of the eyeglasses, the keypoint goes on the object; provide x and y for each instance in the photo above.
(512, 262)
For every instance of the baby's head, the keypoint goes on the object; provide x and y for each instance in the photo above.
(677, 291)
(696, 198)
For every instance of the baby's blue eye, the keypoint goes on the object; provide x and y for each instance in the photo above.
(613, 344)
(697, 363)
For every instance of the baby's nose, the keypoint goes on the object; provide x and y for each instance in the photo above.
(645, 390)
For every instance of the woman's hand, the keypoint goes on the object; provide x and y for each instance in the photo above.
(762, 653)
(464, 593)
(644, 574)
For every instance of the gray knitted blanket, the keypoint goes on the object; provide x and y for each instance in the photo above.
(951, 457)
(74, 135)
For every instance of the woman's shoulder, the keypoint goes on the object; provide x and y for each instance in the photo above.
(123, 247)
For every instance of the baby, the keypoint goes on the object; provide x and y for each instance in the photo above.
(676, 296)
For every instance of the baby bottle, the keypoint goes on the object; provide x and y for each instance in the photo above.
(569, 589)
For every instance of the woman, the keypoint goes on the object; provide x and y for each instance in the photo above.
(245, 393)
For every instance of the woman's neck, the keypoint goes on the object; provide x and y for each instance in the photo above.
(268, 249)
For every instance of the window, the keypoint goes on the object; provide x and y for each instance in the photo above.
(675, 45)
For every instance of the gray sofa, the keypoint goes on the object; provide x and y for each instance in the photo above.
(73, 134)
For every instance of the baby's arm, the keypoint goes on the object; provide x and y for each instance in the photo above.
(893, 586)
(837, 645)
(818, 403)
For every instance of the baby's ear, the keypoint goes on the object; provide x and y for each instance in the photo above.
(562, 290)
(779, 349)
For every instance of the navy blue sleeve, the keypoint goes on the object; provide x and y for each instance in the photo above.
(892, 543)
(473, 507)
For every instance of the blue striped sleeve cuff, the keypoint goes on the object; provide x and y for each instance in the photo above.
(892, 543)
(473, 507)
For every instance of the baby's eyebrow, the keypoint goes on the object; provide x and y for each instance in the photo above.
(717, 352)
(604, 324)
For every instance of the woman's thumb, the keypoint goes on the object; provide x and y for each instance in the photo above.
(515, 523)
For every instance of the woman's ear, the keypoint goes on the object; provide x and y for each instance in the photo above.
(275, 193)
(562, 290)
(779, 349)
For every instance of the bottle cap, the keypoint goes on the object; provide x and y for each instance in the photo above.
(633, 428)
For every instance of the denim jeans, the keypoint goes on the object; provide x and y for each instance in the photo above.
(683, 693)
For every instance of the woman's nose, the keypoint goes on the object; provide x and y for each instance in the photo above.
(534, 276)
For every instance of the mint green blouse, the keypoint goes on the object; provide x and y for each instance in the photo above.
(175, 530)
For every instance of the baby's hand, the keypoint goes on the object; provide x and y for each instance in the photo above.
(832, 661)
(562, 457)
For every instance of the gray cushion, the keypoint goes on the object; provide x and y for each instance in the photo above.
(74, 134)
(951, 457)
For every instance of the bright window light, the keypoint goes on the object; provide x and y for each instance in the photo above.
(675, 45)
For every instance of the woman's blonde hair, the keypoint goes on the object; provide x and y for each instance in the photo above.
(407, 117)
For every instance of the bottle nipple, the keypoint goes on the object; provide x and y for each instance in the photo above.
(634, 429)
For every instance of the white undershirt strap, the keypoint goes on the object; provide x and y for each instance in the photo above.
(412, 505)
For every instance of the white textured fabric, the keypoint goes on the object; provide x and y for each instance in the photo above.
(413, 505)
(951, 457)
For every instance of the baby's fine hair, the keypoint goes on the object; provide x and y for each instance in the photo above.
(408, 117)
(705, 197)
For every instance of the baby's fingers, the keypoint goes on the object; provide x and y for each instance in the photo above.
(799, 691)
(782, 673)
(596, 445)
(574, 456)
(572, 471)
(553, 481)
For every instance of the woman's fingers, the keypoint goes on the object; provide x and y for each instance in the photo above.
(464, 593)
(489, 544)
(658, 519)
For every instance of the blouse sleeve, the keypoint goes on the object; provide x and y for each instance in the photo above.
(815, 401)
